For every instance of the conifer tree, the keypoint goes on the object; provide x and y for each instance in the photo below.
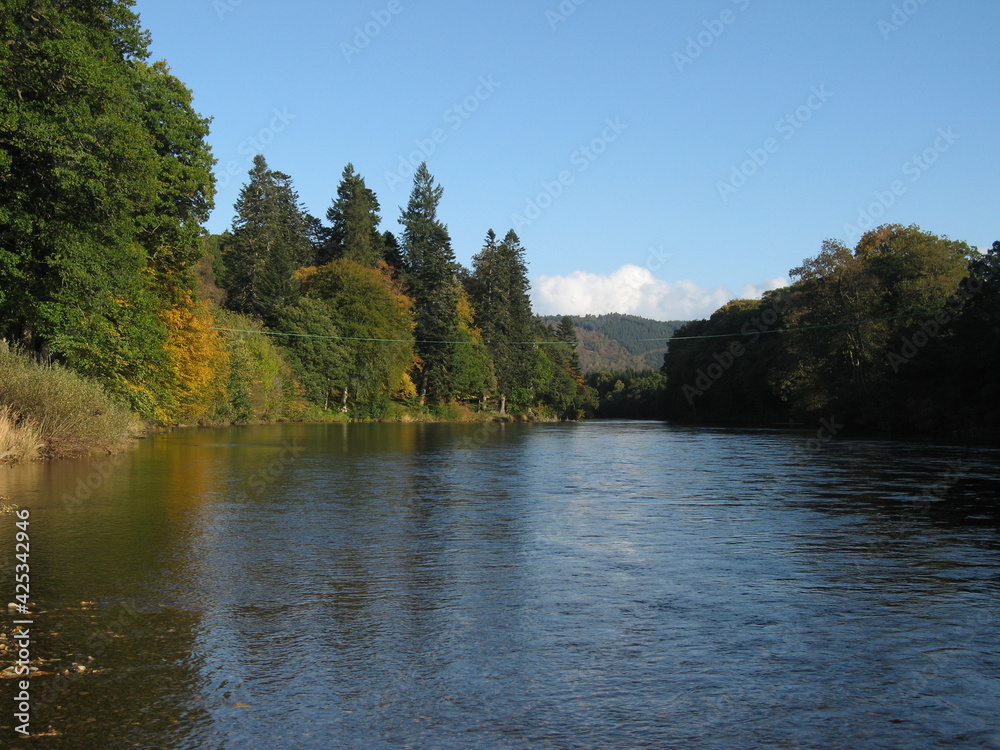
(268, 242)
(430, 270)
(566, 332)
(503, 312)
(354, 218)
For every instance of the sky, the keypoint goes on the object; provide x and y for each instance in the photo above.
(656, 158)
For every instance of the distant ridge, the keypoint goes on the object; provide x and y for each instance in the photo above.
(620, 342)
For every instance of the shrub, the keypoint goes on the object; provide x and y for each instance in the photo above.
(19, 438)
(70, 415)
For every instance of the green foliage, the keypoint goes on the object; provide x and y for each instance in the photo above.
(269, 240)
(473, 374)
(104, 178)
(259, 382)
(319, 364)
(840, 340)
(71, 416)
(628, 394)
(619, 342)
(499, 293)
(430, 271)
(556, 384)
(354, 215)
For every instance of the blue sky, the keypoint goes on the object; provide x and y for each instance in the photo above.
(656, 158)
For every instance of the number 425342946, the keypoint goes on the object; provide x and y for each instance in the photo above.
(22, 570)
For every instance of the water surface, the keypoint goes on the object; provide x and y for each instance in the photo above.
(593, 585)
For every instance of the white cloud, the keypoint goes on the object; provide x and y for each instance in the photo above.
(633, 290)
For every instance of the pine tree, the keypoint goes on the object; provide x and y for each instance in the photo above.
(503, 311)
(566, 332)
(268, 242)
(354, 217)
(430, 268)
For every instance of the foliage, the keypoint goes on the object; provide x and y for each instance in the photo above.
(369, 310)
(269, 240)
(628, 394)
(259, 385)
(430, 271)
(70, 415)
(198, 361)
(354, 215)
(104, 179)
(473, 377)
(840, 341)
(318, 362)
(499, 292)
(620, 342)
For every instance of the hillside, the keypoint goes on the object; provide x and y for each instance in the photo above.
(620, 342)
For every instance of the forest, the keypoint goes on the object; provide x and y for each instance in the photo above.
(110, 286)
(900, 334)
(118, 309)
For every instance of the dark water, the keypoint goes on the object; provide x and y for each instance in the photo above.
(595, 585)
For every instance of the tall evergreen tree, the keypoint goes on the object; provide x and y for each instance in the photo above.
(354, 218)
(499, 288)
(566, 332)
(393, 252)
(269, 240)
(430, 270)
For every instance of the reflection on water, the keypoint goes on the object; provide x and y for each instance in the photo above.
(605, 584)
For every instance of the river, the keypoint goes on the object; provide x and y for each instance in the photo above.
(591, 585)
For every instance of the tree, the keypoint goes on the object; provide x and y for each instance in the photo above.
(499, 287)
(374, 317)
(851, 311)
(104, 176)
(354, 217)
(566, 332)
(318, 360)
(170, 225)
(430, 271)
(268, 242)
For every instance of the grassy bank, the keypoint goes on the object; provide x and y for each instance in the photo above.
(47, 411)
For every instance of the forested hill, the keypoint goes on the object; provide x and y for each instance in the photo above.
(620, 342)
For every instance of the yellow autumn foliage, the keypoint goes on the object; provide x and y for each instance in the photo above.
(198, 358)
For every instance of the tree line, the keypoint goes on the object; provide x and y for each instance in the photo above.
(899, 334)
(366, 318)
(105, 182)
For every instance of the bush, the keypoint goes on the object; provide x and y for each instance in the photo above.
(68, 414)
(20, 439)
